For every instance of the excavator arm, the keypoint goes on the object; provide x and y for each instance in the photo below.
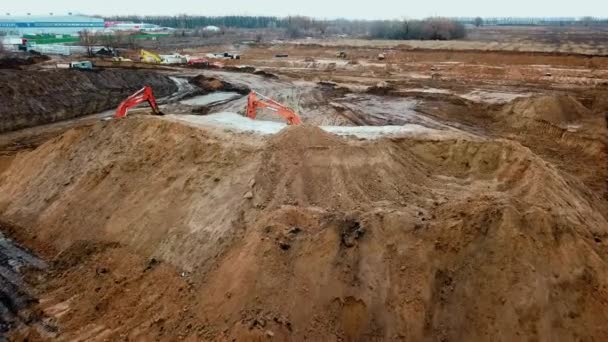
(144, 94)
(256, 100)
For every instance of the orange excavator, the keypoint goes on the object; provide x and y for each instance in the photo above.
(257, 100)
(144, 94)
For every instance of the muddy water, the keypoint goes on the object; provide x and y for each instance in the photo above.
(15, 294)
(318, 106)
(211, 99)
(184, 90)
(239, 123)
(373, 110)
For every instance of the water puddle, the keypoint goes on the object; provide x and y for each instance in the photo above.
(492, 97)
(239, 123)
(211, 99)
(372, 110)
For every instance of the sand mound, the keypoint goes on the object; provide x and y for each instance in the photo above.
(311, 236)
(303, 137)
(559, 110)
(562, 130)
(115, 180)
(211, 84)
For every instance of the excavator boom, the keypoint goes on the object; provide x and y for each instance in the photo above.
(144, 94)
(256, 100)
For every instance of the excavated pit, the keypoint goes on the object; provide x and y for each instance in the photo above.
(159, 229)
(34, 97)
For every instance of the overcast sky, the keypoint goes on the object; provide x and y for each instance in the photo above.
(361, 9)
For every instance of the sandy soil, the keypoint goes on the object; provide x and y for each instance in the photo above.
(436, 195)
(251, 242)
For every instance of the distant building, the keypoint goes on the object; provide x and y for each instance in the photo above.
(211, 28)
(533, 21)
(49, 24)
(129, 26)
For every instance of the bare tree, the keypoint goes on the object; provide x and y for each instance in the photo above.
(109, 40)
(132, 41)
(297, 26)
(587, 20)
(2, 35)
(478, 21)
(321, 25)
(87, 39)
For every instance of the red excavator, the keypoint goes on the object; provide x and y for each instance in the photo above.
(257, 100)
(144, 94)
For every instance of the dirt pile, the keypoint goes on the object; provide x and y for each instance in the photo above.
(382, 88)
(34, 97)
(598, 101)
(16, 61)
(295, 139)
(558, 110)
(102, 272)
(211, 84)
(309, 236)
(113, 168)
(563, 131)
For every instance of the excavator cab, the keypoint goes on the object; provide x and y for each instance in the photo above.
(144, 94)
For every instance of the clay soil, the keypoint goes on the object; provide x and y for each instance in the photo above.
(493, 227)
(35, 97)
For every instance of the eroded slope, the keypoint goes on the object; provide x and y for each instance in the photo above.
(308, 235)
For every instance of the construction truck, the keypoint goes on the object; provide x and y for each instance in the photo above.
(151, 57)
(82, 65)
(175, 58)
(228, 55)
(24, 45)
(198, 62)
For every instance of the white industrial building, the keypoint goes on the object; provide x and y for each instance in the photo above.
(49, 24)
(144, 27)
(211, 28)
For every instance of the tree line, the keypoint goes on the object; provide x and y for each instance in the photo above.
(301, 26)
(427, 29)
(534, 21)
(191, 22)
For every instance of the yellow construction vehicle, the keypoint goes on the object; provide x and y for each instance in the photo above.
(149, 57)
